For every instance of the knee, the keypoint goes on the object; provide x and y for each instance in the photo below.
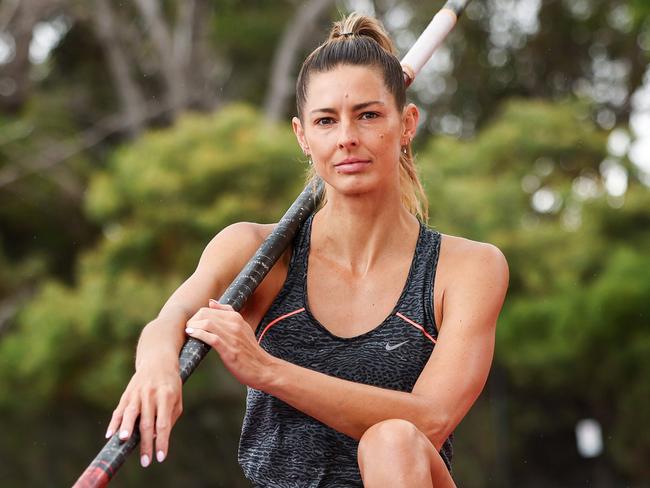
(394, 436)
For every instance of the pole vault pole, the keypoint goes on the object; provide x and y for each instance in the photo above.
(435, 33)
(100, 471)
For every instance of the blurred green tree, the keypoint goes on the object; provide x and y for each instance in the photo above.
(158, 203)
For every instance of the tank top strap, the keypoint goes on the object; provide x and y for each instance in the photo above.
(300, 254)
(291, 296)
(417, 301)
(297, 272)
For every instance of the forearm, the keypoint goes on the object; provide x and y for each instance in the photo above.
(161, 339)
(349, 407)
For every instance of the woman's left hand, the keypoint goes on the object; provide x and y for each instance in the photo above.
(231, 336)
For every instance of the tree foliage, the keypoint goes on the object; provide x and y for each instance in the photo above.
(158, 202)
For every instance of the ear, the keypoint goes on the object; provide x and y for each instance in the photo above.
(300, 134)
(410, 118)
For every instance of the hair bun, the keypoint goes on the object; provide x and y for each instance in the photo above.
(357, 25)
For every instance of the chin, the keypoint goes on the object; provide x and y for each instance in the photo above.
(353, 185)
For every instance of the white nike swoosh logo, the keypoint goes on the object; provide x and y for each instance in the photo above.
(390, 348)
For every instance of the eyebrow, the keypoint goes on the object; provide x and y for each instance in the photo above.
(358, 106)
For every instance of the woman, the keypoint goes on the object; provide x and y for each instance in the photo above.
(369, 341)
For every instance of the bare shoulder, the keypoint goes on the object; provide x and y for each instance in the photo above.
(472, 264)
(222, 259)
(471, 283)
(231, 249)
(245, 232)
(237, 242)
(468, 254)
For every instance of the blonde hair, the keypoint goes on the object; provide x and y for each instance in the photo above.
(359, 40)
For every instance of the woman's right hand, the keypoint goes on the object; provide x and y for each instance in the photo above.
(155, 394)
(155, 390)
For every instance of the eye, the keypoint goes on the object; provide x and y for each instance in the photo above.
(324, 121)
(369, 115)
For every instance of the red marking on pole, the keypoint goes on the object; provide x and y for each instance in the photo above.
(106, 466)
(93, 477)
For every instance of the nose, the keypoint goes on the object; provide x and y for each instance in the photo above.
(348, 137)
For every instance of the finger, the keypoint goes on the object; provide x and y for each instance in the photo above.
(146, 431)
(131, 412)
(204, 312)
(164, 423)
(208, 337)
(205, 325)
(221, 343)
(220, 306)
(115, 421)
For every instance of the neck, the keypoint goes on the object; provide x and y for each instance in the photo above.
(358, 231)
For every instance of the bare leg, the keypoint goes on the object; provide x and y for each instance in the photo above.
(396, 453)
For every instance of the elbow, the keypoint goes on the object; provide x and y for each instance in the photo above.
(437, 428)
(431, 419)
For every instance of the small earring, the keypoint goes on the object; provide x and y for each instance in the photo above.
(404, 150)
(310, 161)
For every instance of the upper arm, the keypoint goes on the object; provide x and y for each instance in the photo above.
(459, 365)
(222, 259)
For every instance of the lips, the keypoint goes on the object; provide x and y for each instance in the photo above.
(351, 165)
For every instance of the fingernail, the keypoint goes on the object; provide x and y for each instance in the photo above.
(189, 330)
(109, 433)
(124, 434)
(144, 460)
(213, 301)
(160, 456)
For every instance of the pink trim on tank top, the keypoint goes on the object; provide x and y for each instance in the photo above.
(275, 321)
(416, 325)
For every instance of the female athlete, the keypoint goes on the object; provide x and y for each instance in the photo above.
(371, 338)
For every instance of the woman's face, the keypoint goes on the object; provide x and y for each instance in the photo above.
(352, 129)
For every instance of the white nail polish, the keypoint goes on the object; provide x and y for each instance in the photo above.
(124, 434)
(144, 460)
(109, 433)
(160, 456)
(189, 330)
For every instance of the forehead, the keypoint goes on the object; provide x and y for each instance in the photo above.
(346, 84)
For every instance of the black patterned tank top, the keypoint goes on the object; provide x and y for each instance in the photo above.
(280, 446)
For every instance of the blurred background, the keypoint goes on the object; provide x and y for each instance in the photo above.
(132, 131)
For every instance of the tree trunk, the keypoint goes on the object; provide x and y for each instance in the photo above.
(161, 37)
(202, 76)
(14, 76)
(281, 86)
(131, 99)
(8, 9)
